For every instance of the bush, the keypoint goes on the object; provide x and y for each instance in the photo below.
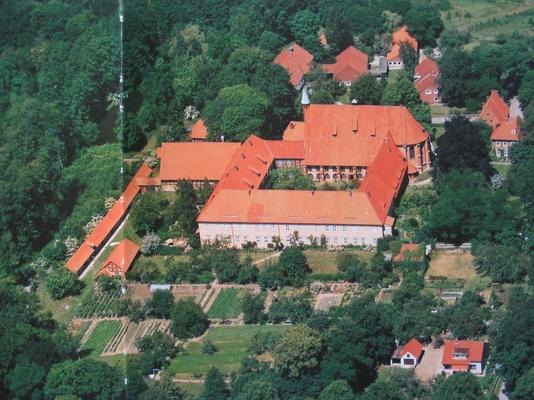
(160, 305)
(151, 244)
(208, 347)
(188, 319)
(61, 283)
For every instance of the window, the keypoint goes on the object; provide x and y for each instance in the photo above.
(237, 238)
(374, 241)
(428, 91)
(335, 239)
(327, 227)
(354, 240)
(265, 239)
(334, 228)
(257, 239)
(287, 227)
(435, 91)
(346, 240)
(412, 152)
(245, 238)
(344, 228)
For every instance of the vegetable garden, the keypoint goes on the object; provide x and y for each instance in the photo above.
(101, 335)
(227, 304)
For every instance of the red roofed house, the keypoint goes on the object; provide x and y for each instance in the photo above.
(400, 36)
(296, 60)
(463, 356)
(506, 129)
(350, 64)
(199, 131)
(407, 356)
(120, 260)
(425, 77)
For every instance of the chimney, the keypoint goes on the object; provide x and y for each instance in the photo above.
(249, 192)
(243, 155)
(350, 193)
(313, 192)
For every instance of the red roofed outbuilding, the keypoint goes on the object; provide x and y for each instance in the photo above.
(120, 259)
(350, 64)
(407, 356)
(199, 131)
(426, 81)
(296, 61)
(463, 356)
(495, 110)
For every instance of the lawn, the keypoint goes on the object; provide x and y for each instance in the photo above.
(62, 310)
(102, 334)
(452, 266)
(324, 262)
(227, 304)
(485, 19)
(502, 169)
(232, 342)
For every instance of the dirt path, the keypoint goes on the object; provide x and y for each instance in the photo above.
(262, 260)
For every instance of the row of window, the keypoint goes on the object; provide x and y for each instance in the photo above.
(300, 228)
(329, 240)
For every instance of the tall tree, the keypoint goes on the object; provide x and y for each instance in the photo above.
(424, 22)
(366, 90)
(462, 385)
(214, 386)
(461, 146)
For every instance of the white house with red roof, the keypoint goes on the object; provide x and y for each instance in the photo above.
(426, 76)
(506, 129)
(463, 356)
(408, 355)
(398, 38)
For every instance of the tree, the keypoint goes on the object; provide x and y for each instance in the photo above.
(459, 211)
(424, 22)
(183, 212)
(455, 73)
(452, 38)
(133, 137)
(366, 90)
(296, 308)
(61, 282)
(290, 179)
(160, 304)
(258, 389)
(337, 390)
(188, 319)
(147, 213)
(26, 380)
(409, 58)
(252, 307)
(84, 378)
(214, 386)
(352, 266)
(164, 389)
(156, 350)
(297, 351)
(462, 385)
(304, 27)
(524, 389)
(466, 319)
(511, 338)
(236, 112)
(461, 146)
(383, 390)
(294, 266)
(503, 263)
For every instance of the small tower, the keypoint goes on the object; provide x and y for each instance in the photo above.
(305, 101)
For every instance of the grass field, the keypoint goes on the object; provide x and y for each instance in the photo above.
(232, 342)
(227, 304)
(452, 266)
(62, 310)
(100, 337)
(324, 262)
(485, 19)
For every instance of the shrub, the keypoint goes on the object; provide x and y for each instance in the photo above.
(151, 244)
(61, 283)
(208, 347)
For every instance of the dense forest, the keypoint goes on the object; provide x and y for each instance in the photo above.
(61, 156)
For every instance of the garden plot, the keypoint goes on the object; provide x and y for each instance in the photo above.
(102, 332)
(325, 301)
(228, 303)
(126, 340)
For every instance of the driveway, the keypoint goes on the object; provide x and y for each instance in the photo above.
(430, 364)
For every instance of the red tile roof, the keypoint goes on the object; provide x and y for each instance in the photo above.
(405, 249)
(474, 351)
(351, 135)
(413, 347)
(427, 73)
(296, 60)
(195, 161)
(103, 230)
(294, 131)
(495, 111)
(199, 130)
(120, 259)
(400, 36)
(349, 65)
(384, 178)
(287, 207)
(509, 130)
